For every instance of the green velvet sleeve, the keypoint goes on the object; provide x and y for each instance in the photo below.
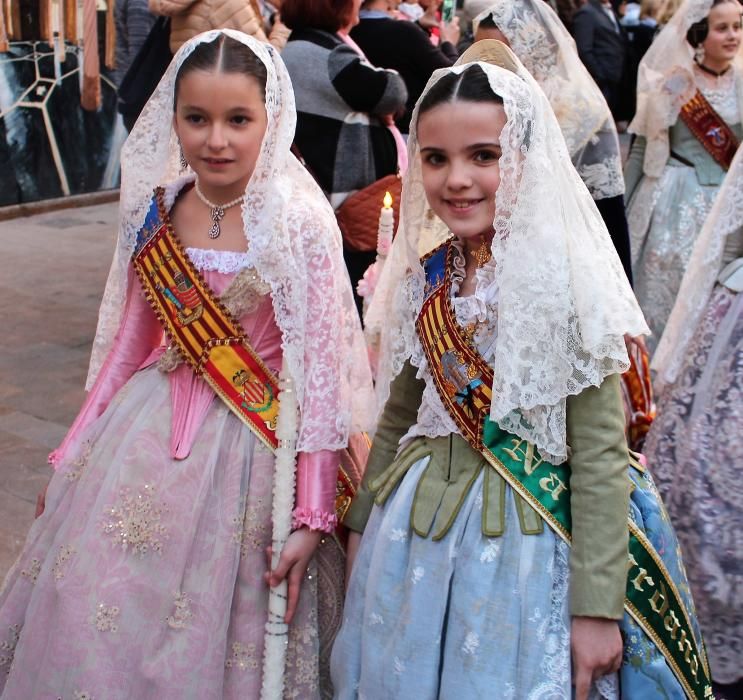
(633, 167)
(599, 501)
(400, 412)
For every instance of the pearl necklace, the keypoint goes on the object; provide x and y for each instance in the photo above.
(218, 210)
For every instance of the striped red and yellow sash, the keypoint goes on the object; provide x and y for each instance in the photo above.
(209, 339)
(710, 129)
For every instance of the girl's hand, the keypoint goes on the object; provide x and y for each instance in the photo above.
(293, 563)
(352, 548)
(41, 501)
(597, 650)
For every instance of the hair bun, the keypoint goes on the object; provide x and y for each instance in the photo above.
(490, 51)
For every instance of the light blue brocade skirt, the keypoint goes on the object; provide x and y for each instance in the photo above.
(471, 617)
(465, 617)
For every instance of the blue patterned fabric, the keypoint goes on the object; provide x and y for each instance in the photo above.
(644, 672)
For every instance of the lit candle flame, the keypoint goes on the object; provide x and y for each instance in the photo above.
(387, 201)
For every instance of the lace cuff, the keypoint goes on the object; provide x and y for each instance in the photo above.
(314, 519)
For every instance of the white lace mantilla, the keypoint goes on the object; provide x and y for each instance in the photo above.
(701, 276)
(294, 246)
(225, 261)
(538, 37)
(554, 285)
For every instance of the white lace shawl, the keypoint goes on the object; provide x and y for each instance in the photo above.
(562, 300)
(541, 42)
(666, 81)
(725, 218)
(293, 243)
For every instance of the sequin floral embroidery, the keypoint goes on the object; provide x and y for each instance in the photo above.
(136, 521)
(77, 466)
(243, 657)
(105, 618)
(66, 551)
(250, 529)
(7, 648)
(182, 612)
(31, 572)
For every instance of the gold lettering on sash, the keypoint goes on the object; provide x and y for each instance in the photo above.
(694, 667)
(518, 454)
(641, 578)
(672, 624)
(552, 485)
(660, 595)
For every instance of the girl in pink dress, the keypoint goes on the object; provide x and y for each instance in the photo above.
(146, 575)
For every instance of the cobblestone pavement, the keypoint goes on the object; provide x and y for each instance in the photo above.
(52, 271)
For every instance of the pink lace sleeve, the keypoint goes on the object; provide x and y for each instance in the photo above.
(317, 473)
(139, 332)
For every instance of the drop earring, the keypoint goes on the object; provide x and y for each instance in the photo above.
(184, 162)
(699, 54)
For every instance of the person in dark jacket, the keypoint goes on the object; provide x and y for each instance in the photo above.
(602, 47)
(343, 104)
(405, 47)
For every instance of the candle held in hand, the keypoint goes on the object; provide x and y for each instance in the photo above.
(386, 226)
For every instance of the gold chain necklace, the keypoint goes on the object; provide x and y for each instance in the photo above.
(217, 210)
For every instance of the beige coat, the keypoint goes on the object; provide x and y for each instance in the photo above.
(192, 17)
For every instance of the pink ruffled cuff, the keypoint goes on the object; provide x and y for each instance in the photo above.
(314, 519)
(317, 474)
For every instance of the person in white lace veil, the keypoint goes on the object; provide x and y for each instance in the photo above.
(282, 217)
(546, 304)
(580, 303)
(671, 177)
(694, 444)
(159, 512)
(538, 37)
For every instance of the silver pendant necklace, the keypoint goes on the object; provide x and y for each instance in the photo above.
(217, 210)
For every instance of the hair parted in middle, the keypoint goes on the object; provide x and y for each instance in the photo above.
(471, 85)
(224, 55)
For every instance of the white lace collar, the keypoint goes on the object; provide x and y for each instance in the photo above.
(224, 261)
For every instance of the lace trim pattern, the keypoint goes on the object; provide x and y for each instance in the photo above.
(314, 520)
(225, 261)
(539, 38)
(294, 246)
(563, 301)
(721, 93)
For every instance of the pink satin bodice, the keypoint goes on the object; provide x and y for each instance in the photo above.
(191, 395)
(140, 343)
